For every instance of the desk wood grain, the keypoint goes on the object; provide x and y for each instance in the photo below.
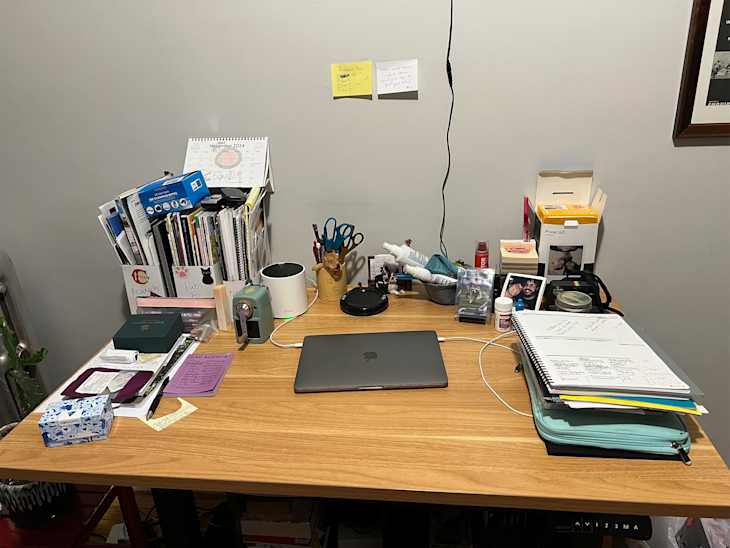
(456, 445)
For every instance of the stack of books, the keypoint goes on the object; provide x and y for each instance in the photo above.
(272, 522)
(518, 256)
(179, 236)
(591, 371)
(224, 239)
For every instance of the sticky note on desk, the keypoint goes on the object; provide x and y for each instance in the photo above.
(352, 79)
(397, 76)
(168, 420)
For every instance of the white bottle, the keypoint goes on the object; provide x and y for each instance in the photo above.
(503, 314)
(406, 255)
(427, 276)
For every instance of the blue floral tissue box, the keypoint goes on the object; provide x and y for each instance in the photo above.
(76, 421)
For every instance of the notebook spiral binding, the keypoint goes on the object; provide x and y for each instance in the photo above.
(531, 352)
(224, 139)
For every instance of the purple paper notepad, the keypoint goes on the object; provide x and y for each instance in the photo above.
(199, 375)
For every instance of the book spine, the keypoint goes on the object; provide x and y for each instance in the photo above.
(131, 236)
(237, 245)
(140, 223)
(200, 231)
(179, 232)
(171, 240)
(216, 245)
(165, 254)
(193, 239)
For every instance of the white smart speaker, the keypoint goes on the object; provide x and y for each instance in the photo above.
(287, 288)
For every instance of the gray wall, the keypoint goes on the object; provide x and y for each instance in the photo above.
(98, 97)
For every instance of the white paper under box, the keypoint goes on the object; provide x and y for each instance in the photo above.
(68, 422)
(566, 222)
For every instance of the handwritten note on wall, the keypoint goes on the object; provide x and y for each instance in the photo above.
(397, 76)
(352, 79)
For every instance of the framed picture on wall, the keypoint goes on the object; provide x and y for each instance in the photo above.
(703, 109)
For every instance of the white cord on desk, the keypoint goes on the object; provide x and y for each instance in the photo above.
(486, 344)
(282, 324)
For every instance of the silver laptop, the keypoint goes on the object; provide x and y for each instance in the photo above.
(370, 361)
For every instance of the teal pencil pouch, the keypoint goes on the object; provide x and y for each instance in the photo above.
(650, 433)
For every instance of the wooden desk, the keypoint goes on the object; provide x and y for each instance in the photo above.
(453, 446)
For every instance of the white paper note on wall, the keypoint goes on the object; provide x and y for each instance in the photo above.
(397, 76)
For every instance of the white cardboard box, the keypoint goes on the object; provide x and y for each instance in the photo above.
(568, 245)
(142, 281)
(196, 282)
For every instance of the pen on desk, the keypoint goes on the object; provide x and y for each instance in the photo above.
(158, 397)
(316, 232)
(315, 251)
(319, 252)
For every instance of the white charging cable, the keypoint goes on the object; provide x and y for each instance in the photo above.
(282, 324)
(486, 344)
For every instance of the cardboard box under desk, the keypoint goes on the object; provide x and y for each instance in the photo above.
(566, 222)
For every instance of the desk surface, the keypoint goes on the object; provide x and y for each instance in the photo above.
(456, 445)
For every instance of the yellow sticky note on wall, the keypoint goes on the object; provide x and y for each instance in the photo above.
(349, 79)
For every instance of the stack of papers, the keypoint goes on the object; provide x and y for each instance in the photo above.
(146, 362)
(199, 375)
(598, 361)
(518, 256)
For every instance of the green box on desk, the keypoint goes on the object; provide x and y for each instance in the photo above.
(149, 333)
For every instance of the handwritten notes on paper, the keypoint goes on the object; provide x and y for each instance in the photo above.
(352, 79)
(397, 76)
(199, 375)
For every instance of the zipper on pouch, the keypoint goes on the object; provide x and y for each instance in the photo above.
(682, 453)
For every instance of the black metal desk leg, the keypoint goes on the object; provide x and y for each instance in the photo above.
(178, 518)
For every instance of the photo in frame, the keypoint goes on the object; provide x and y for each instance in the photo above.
(703, 108)
(526, 287)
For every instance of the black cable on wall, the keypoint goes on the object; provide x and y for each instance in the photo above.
(450, 78)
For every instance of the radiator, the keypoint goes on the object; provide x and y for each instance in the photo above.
(14, 310)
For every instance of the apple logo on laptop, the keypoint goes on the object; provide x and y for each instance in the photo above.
(369, 356)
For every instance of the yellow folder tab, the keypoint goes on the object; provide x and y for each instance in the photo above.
(633, 403)
(352, 79)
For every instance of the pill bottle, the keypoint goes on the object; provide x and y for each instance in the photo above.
(503, 314)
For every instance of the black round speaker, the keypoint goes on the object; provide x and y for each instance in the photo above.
(363, 301)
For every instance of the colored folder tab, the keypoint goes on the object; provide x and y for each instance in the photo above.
(661, 404)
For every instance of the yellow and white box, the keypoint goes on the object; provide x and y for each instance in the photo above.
(567, 221)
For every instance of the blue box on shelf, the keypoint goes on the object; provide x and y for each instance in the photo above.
(171, 194)
(68, 422)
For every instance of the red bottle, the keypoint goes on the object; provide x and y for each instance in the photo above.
(481, 255)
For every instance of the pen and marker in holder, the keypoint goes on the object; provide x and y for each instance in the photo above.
(330, 250)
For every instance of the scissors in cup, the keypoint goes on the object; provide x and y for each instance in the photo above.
(351, 242)
(334, 235)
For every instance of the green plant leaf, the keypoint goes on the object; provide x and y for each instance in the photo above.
(28, 390)
(10, 342)
(34, 359)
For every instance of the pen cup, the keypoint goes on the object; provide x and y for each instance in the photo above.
(331, 285)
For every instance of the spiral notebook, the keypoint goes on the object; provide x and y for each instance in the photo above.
(230, 161)
(593, 353)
